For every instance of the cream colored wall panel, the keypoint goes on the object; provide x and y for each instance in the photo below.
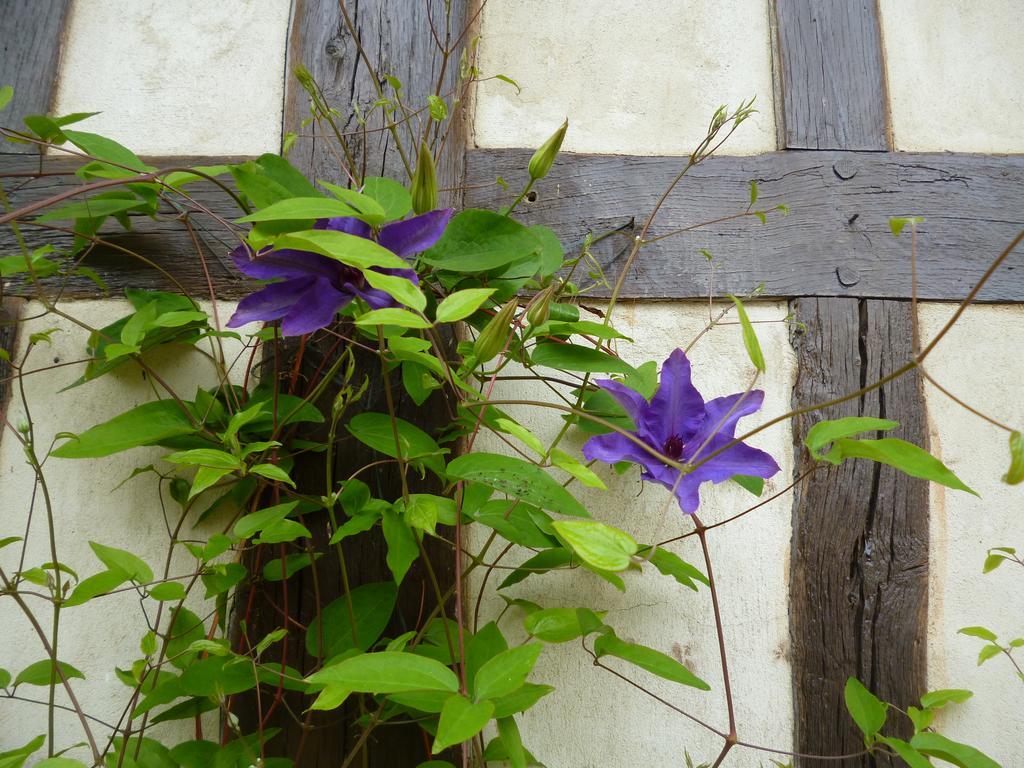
(956, 74)
(979, 362)
(595, 719)
(639, 78)
(178, 77)
(88, 505)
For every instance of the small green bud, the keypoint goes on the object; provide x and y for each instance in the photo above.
(540, 310)
(494, 336)
(424, 182)
(545, 155)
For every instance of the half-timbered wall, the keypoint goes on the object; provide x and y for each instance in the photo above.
(853, 98)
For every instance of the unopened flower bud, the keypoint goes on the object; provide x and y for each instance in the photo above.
(494, 336)
(424, 182)
(540, 310)
(545, 155)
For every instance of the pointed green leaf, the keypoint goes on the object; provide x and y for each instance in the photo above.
(461, 720)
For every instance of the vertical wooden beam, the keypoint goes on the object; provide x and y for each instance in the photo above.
(859, 575)
(30, 41)
(397, 39)
(832, 72)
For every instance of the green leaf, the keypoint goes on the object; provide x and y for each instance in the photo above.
(96, 207)
(670, 564)
(904, 456)
(271, 178)
(402, 318)
(96, 585)
(940, 698)
(749, 336)
(376, 430)
(907, 753)
(505, 672)
(462, 304)
(655, 662)
(367, 209)
(251, 524)
(169, 590)
(102, 148)
(371, 606)
(147, 424)
(118, 559)
(1015, 474)
(598, 545)
(401, 289)
(988, 652)
(40, 673)
(580, 471)
(402, 547)
(272, 472)
(438, 111)
(388, 672)
(353, 250)
(521, 699)
(16, 758)
(300, 208)
(519, 479)
(754, 485)
(825, 432)
(542, 562)
(5, 678)
(6, 94)
(571, 357)
(478, 241)
(205, 457)
(283, 532)
(461, 720)
(560, 625)
(205, 478)
(61, 762)
(936, 745)
(392, 196)
(508, 731)
(897, 223)
(293, 563)
(866, 710)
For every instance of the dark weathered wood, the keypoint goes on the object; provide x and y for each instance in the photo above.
(834, 242)
(163, 240)
(397, 38)
(10, 311)
(832, 75)
(859, 574)
(30, 40)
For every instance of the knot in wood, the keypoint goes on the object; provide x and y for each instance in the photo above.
(844, 169)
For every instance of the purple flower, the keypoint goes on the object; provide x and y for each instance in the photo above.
(313, 288)
(679, 424)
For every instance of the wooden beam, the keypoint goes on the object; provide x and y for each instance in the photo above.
(30, 41)
(162, 241)
(859, 565)
(10, 312)
(398, 41)
(832, 74)
(835, 241)
(858, 576)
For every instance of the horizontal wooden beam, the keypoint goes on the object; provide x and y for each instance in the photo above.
(163, 241)
(835, 241)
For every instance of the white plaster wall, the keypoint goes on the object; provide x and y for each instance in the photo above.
(595, 720)
(979, 362)
(88, 506)
(178, 77)
(633, 78)
(956, 74)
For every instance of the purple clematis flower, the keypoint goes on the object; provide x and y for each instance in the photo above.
(313, 288)
(679, 424)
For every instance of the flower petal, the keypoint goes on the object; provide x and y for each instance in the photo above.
(345, 224)
(718, 419)
(632, 402)
(315, 309)
(405, 238)
(271, 265)
(614, 447)
(677, 407)
(270, 302)
(740, 459)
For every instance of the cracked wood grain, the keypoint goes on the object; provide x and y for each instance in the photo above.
(10, 311)
(832, 74)
(858, 581)
(30, 41)
(835, 241)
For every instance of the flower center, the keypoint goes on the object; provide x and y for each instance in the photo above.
(673, 447)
